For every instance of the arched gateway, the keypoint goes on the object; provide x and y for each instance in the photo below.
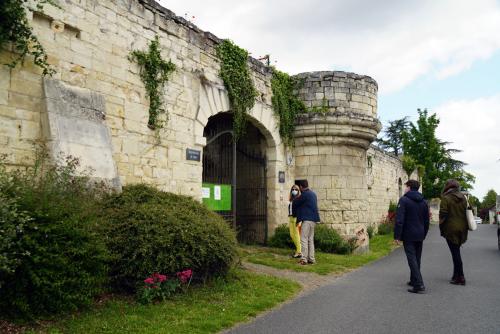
(237, 174)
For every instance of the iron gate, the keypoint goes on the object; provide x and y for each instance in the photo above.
(246, 174)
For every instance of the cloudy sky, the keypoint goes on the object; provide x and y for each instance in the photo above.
(443, 55)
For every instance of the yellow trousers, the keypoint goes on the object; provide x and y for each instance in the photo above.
(294, 234)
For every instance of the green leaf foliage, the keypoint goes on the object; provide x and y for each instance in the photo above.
(489, 200)
(15, 28)
(51, 258)
(409, 164)
(152, 231)
(286, 104)
(433, 156)
(393, 136)
(236, 76)
(326, 239)
(154, 73)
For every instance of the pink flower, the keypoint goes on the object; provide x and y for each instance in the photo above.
(149, 280)
(162, 278)
(185, 275)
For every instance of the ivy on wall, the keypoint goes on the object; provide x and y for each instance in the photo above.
(15, 28)
(154, 73)
(236, 76)
(286, 104)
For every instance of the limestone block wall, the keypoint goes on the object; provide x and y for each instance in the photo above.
(338, 91)
(385, 182)
(88, 42)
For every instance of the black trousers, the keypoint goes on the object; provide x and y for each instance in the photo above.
(458, 268)
(413, 251)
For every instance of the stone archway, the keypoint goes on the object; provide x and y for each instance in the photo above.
(213, 101)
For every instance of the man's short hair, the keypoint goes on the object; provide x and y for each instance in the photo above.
(302, 183)
(413, 184)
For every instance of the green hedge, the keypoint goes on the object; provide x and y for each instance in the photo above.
(326, 240)
(51, 258)
(152, 231)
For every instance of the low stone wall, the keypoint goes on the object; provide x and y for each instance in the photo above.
(385, 182)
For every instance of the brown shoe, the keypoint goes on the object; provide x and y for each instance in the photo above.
(303, 262)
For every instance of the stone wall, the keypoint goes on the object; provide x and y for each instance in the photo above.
(88, 43)
(385, 182)
(104, 113)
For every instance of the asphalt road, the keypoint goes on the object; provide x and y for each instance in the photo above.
(374, 299)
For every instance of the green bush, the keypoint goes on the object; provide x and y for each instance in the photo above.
(152, 231)
(392, 207)
(51, 259)
(370, 230)
(385, 228)
(281, 237)
(326, 239)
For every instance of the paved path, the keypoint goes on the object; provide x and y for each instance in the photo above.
(374, 299)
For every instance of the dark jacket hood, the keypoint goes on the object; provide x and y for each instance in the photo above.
(415, 195)
(456, 195)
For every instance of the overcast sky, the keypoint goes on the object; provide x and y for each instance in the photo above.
(443, 55)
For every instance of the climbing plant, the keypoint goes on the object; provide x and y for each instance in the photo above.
(286, 104)
(15, 28)
(236, 76)
(154, 73)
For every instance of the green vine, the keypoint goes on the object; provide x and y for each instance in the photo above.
(236, 76)
(15, 28)
(154, 73)
(286, 104)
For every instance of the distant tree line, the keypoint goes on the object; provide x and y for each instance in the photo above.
(419, 148)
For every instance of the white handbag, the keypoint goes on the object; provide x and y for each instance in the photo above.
(470, 216)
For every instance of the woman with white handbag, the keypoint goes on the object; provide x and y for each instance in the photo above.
(454, 226)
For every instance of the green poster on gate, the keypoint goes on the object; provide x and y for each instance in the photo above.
(216, 197)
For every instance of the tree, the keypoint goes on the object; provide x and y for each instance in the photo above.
(489, 200)
(394, 136)
(409, 164)
(420, 143)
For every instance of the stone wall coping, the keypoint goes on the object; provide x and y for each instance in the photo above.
(384, 152)
(329, 75)
(336, 118)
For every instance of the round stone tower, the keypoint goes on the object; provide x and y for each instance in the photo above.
(331, 141)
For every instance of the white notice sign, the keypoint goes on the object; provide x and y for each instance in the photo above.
(205, 192)
(217, 196)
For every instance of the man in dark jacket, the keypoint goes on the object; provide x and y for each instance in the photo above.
(412, 225)
(305, 208)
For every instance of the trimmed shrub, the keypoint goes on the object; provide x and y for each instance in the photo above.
(152, 231)
(326, 239)
(51, 259)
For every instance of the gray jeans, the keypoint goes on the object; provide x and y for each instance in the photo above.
(307, 241)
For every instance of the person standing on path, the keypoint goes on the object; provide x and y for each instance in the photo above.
(453, 226)
(306, 208)
(293, 224)
(412, 225)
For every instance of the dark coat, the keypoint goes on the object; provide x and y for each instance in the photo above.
(305, 207)
(452, 219)
(412, 217)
